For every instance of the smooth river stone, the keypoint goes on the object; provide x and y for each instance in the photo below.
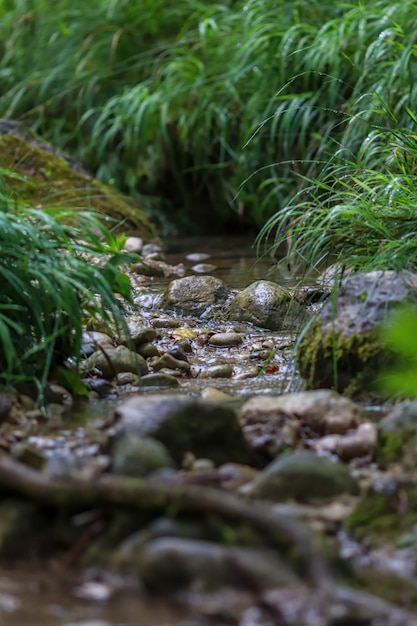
(225, 340)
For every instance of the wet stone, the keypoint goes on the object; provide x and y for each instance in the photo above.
(133, 244)
(127, 378)
(133, 455)
(159, 381)
(165, 322)
(225, 340)
(167, 360)
(147, 350)
(96, 338)
(195, 294)
(101, 386)
(302, 476)
(246, 371)
(203, 268)
(5, 408)
(184, 424)
(224, 370)
(112, 361)
(197, 257)
(265, 304)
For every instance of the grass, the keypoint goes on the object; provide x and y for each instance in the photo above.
(58, 267)
(179, 105)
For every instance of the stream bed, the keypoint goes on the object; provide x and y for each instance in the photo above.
(52, 593)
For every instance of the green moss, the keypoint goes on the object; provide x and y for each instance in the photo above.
(382, 516)
(346, 364)
(393, 446)
(43, 179)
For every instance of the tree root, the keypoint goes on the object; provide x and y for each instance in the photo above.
(285, 533)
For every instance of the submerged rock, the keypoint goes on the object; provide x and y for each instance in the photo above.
(302, 476)
(343, 349)
(184, 424)
(266, 304)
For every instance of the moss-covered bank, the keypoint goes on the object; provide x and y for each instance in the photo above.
(42, 179)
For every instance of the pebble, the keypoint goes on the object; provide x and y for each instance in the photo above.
(197, 257)
(133, 244)
(225, 340)
(224, 370)
(167, 360)
(203, 268)
(159, 380)
(165, 322)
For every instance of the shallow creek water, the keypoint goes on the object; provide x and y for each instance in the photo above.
(31, 595)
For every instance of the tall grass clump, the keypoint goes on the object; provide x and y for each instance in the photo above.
(361, 209)
(179, 104)
(58, 268)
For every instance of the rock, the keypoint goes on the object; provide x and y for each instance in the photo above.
(246, 371)
(302, 476)
(166, 322)
(128, 378)
(159, 381)
(139, 333)
(155, 267)
(184, 424)
(342, 348)
(111, 361)
(360, 442)
(225, 340)
(95, 338)
(166, 360)
(133, 244)
(133, 455)
(266, 304)
(5, 408)
(323, 410)
(100, 386)
(235, 475)
(203, 268)
(197, 257)
(147, 350)
(397, 440)
(215, 395)
(274, 423)
(384, 512)
(194, 295)
(170, 563)
(224, 370)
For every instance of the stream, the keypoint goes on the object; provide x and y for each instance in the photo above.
(52, 592)
(48, 595)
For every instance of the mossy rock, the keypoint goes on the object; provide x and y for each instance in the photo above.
(397, 436)
(345, 364)
(44, 178)
(385, 514)
(342, 349)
